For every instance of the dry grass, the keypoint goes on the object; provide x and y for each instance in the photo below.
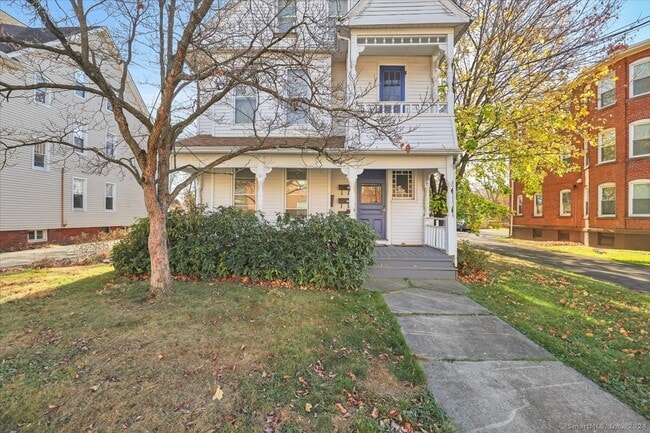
(84, 350)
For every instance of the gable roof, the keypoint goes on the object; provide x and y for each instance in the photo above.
(29, 34)
(396, 13)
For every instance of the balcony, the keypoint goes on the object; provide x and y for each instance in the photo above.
(407, 108)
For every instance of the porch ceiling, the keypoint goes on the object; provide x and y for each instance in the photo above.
(399, 50)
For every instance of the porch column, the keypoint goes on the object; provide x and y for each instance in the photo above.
(450, 73)
(353, 55)
(452, 246)
(352, 173)
(260, 171)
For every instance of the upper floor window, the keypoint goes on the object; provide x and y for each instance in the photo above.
(296, 192)
(640, 197)
(297, 87)
(607, 146)
(41, 96)
(109, 197)
(39, 156)
(403, 184)
(78, 193)
(520, 204)
(538, 202)
(640, 138)
(79, 138)
(640, 77)
(245, 104)
(109, 106)
(337, 8)
(585, 202)
(606, 91)
(565, 202)
(80, 80)
(244, 196)
(607, 199)
(287, 17)
(109, 147)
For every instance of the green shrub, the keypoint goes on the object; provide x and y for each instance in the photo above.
(471, 260)
(330, 250)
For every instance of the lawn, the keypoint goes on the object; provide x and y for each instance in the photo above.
(599, 329)
(622, 256)
(85, 350)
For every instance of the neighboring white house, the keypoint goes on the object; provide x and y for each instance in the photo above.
(47, 192)
(391, 58)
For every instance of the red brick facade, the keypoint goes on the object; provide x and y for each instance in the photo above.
(18, 239)
(596, 223)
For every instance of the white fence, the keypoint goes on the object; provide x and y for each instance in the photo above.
(435, 233)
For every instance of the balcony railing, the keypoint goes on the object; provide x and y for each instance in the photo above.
(412, 108)
(435, 233)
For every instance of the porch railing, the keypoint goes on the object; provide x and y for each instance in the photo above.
(393, 107)
(435, 233)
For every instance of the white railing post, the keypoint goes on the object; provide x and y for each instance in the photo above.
(452, 246)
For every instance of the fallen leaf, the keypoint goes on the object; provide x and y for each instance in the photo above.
(307, 407)
(94, 388)
(340, 407)
(375, 413)
(218, 394)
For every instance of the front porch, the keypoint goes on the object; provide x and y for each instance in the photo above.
(421, 262)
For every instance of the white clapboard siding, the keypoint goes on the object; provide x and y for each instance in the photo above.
(385, 12)
(319, 197)
(424, 132)
(417, 81)
(407, 216)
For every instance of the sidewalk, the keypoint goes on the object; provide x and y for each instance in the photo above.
(17, 259)
(487, 376)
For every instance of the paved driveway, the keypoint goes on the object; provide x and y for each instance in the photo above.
(631, 276)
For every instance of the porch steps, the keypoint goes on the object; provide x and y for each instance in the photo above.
(413, 263)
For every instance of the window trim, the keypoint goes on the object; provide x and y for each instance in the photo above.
(36, 240)
(600, 199)
(519, 203)
(106, 105)
(114, 197)
(236, 97)
(234, 189)
(535, 213)
(84, 194)
(112, 153)
(48, 100)
(611, 76)
(585, 203)
(562, 213)
(79, 73)
(279, 16)
(304, 108)
(631, 135)
(631, 75)
(408, 194)
(601, 134)
(631, 197)
(286, 179)
(46, 157)
(79, 127)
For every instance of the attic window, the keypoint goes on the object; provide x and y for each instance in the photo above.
(402, 40)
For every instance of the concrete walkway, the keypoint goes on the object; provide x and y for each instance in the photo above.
(633, 277)
(16, 259)
(487, 376)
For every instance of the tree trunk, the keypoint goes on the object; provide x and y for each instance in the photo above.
(161, 282)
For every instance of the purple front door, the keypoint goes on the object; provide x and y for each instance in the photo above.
(372, 200)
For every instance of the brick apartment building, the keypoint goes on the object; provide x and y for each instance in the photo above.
(607, 203)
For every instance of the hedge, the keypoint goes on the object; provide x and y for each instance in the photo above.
(325, 251)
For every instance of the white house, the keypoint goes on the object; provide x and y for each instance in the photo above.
(49, 193)
(391, 59)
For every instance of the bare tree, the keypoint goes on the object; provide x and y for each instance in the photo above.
(199, 52)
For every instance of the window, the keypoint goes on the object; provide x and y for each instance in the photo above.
(537, 205)
(640, 138)
(640, 197)
(39, 157)
(607, 91)
(80, 80)
(245, 189)
(41, 95)
(538, 233)
(109, 196)
(585, 202)
(605, 240)
(79, 138)
(640, 77)
(109, 106)
(78, 193)
(403, 184)
(586, 152)
(296, 191)
(245, 104)
(37, 236)
(297, 87)
(337, 8)
(566, 158)
(520, 204)
(286, 15)
(565, 202)
(109, 147)
(607, 146)
(607, 200)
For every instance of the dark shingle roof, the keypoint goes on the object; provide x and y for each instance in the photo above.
(29, 34)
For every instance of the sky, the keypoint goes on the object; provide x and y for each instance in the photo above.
(631, 11)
